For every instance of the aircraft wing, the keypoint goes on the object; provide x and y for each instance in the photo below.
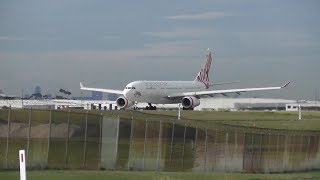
(223, 92)
(82, 87)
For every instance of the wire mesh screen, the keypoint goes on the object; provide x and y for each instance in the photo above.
(38, 141)
(83, 140)
(3, 137)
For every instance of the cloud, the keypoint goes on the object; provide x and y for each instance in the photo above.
(16, 38)
(180, 33)
(280, 39)
(164, 49)
(11, 38)
(199, 16)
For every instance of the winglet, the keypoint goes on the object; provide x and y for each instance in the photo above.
(285, 85)
(81, 85)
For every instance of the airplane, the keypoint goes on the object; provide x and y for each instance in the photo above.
(4, 96)
(188, 93)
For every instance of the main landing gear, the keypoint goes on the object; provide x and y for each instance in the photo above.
(150, 107)
(187, 109)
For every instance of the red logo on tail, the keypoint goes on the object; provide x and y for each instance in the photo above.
(203, 75)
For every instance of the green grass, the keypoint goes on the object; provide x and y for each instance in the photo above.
(117, 175)
(281, 120)
(273, 120)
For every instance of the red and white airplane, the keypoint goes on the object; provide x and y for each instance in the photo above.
(187, 93)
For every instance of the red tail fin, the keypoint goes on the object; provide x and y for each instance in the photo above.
(203, 75)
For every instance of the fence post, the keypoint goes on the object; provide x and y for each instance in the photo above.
(285, 150)
(49, 137)
(244, 156)
(294, 146)
(205, 151)
(29, 131)
(226, 149)
(269, 154)
(159, 144)
(85, 140)
(130, 143)
(100, 138)
(260, 151)
(277, 150)
(301, 143)
(144, 144)
(235, 151)
(196, 138)
(215, 149)
(172, 134)
(67, 141)
(8, 135)
(307, 149)
(117, 142)
(252, 151)
(184, 142)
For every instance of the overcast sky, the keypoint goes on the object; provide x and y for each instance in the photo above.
(56, 44)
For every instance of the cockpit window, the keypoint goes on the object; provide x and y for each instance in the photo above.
(130, 88)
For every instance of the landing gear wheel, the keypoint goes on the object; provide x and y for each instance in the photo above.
(187, 109)
(150, 107)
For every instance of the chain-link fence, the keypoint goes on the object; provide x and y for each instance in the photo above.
(77, 140)
(52, 139)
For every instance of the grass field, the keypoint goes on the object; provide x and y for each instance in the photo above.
(261, 119)
(118, 175)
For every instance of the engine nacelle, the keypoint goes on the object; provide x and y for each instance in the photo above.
(123, 102)
(190, 102)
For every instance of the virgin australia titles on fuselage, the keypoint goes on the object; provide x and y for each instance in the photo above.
(187, 93)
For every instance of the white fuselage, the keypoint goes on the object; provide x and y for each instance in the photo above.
(157, 92)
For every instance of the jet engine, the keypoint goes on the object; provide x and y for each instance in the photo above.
(123, 102)
(190, 102)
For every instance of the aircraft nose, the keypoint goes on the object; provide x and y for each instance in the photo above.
(127, 92)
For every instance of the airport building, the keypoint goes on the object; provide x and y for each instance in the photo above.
(311, 106)
(237, 104)
(58, 104)
(243, 104)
